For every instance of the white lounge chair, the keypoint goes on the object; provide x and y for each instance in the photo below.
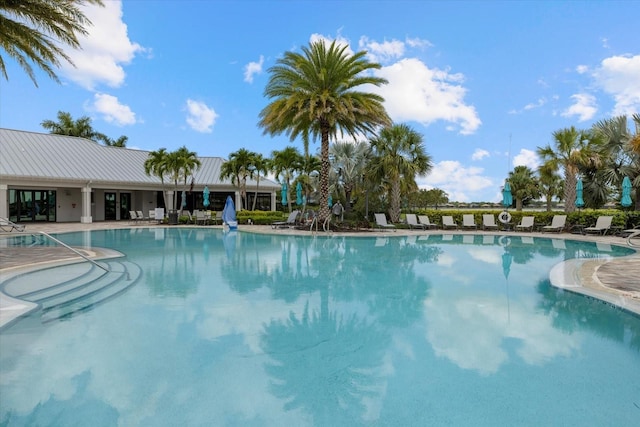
(526, 224)
(412, 220)
(133, 216)
(381, 222)
(448, 222)
(603, 224)
(469, 221)
(557, 224)
(9, 226)
(141, 216)
(489, 222)
(424, 220)
(291, 220)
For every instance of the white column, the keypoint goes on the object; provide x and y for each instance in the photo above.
(86, 217)
(273, 201)
(4, 201)
(238, 201)
(169, 201)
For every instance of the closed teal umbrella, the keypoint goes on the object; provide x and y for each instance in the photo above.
(579, 190)
(626, 193)
(184, 200)
(283, 193)
(330, 201)
(507, 198)
(299, 194)
(205, 197)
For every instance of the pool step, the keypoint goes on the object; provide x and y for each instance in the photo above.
(74, 288)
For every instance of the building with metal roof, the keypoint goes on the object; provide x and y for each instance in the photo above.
(58, 178)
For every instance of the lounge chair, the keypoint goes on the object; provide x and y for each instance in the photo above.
(557, 224)
(603, 224)
(291, 221)
(133, 216)
(9, 226)
(526, 224)
(469, 221)
(381, 222)
(424, 220)
(629, 231)
(141, 216)
(217, 218)
(412, 220)
(448, 222)
(202, 218)
(489, 222)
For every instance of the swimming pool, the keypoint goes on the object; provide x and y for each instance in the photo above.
(270, 330)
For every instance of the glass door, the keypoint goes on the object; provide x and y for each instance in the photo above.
(109, 206)
(125, 205)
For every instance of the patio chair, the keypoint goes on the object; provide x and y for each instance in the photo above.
(412, 220)
(526, 224)
(489, 222)
(629, 231)
(133, 216)
(469, 221)
(557, 224)
(603, 224)
(291, 221)
(382, 224)
(217, 218)
(448, 222)
(141, 216)
(202, 218)
(9, 226)
(424, 220)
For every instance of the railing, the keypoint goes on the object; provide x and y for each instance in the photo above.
(74, 251)
(631, 236)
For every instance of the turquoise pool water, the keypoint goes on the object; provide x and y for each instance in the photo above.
(266, 330)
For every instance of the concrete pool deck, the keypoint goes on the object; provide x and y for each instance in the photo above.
(615, 281)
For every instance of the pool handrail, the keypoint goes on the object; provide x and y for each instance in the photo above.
(74, 251)
(631, 236)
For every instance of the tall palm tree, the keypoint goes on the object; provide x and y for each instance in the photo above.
(238, 168)
(551, 184)
(36, 31)
(285, 164)
(156, 165)
(572, 147)
(180, 166)
(259, 166)
(348, 161)
(314, 94)
(399, 156)
(66, 125)
(524, 185)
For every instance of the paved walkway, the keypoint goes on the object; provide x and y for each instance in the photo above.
(616, 281)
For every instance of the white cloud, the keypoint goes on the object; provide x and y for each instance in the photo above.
(479, 154)
(416, 42)
(105, 49)
(340, 41)
(200, 117)
(584, 107)
(382, 52)
(253, 68)
(581, 69)
(112, 111)
(459, 182)
(418, 93)
(619, 76)
(527, 158)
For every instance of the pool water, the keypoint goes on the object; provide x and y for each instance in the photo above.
(242, 329)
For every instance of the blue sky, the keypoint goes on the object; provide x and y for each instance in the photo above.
(485, 83)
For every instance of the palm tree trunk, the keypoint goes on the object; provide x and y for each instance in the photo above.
(395, 200)
(570, 182)
(255, 196)
(324, 212)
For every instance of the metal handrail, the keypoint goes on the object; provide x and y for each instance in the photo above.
(74, 251)
(632, 235)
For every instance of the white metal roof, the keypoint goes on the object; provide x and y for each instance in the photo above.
(41, 156)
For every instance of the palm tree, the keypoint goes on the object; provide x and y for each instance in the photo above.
(551, 184)
(66, 125)
(572, 148)
(259, 165)
(315, 94)
(399, 156)
(156, 165)
(36, 31)
(524, 185)
(619, 157)
(284, 164)
(348, 162)
(238, 168)
(180, 165)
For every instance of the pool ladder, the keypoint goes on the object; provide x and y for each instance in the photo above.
(631, 236)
